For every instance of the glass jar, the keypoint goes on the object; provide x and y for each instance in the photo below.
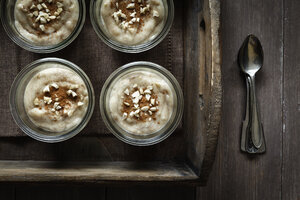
(8, 22)
(149, 138)
(17, 107)
(99, 27)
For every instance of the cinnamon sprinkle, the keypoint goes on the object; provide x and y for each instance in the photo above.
(143, 115)
(58, 96)
(51, 8)
(122, 6)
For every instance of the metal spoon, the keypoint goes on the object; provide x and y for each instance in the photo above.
(251, 60)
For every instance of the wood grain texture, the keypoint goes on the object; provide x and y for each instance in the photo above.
(291, 99)
(203, 110)
(96, 172)
(236, 175)
(104, 148)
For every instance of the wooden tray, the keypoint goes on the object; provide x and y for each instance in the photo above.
(184, 158)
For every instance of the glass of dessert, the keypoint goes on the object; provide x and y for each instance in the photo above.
(132, 26)
(51, 100)
(141, 103)
(43, 26)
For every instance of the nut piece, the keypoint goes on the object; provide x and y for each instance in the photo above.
(44, 5)
(80, 104)
(54, 85)
(46, 89)
(126, 104)
(32, 7)
(35, 13)
(147, 96)
(59, 5)
(153, 109)
(136, 94)
(47, 100)
(126, 92)
(36, 102)
(56, 106)
(130, 6)
(145, 108)
(39, 6)
(147, 91)
(42, 27)
(131, 114)
(143, 10)
(125, 115)
(152, 101)
(71, 92)
(136, 100)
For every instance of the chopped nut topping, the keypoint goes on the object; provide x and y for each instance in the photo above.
(54, 85)
(46, 89)
(145, 108)
(131, 5)
(58, 100)
(137, 103)
(80, 104)
(147, 91)
(126, 92)
(130, 15)
(36, 102)
(135, 94)
(152, 101)
(42, 12)
(39, 7)
(148, 96)
(153, 109)
(47, 100)
(71, 92)
(125, 115)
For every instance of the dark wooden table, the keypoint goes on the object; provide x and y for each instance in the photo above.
(274, 175)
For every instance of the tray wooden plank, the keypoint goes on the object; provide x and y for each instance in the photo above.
(203, 108)
(94, 172)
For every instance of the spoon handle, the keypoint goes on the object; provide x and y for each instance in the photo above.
(254, 127)
(244, 136)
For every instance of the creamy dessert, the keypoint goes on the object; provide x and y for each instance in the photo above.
(46, 22)
(141, 102)
(56, 98)
(133, 22)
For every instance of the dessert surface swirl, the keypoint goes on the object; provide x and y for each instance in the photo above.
(141, 102)
(133, 22)
(56, 98)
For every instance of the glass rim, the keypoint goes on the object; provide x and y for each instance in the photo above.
(23, 43)
(136, 48)
(158, 137)
(28, 130)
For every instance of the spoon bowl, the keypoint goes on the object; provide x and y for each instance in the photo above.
(251, 55)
